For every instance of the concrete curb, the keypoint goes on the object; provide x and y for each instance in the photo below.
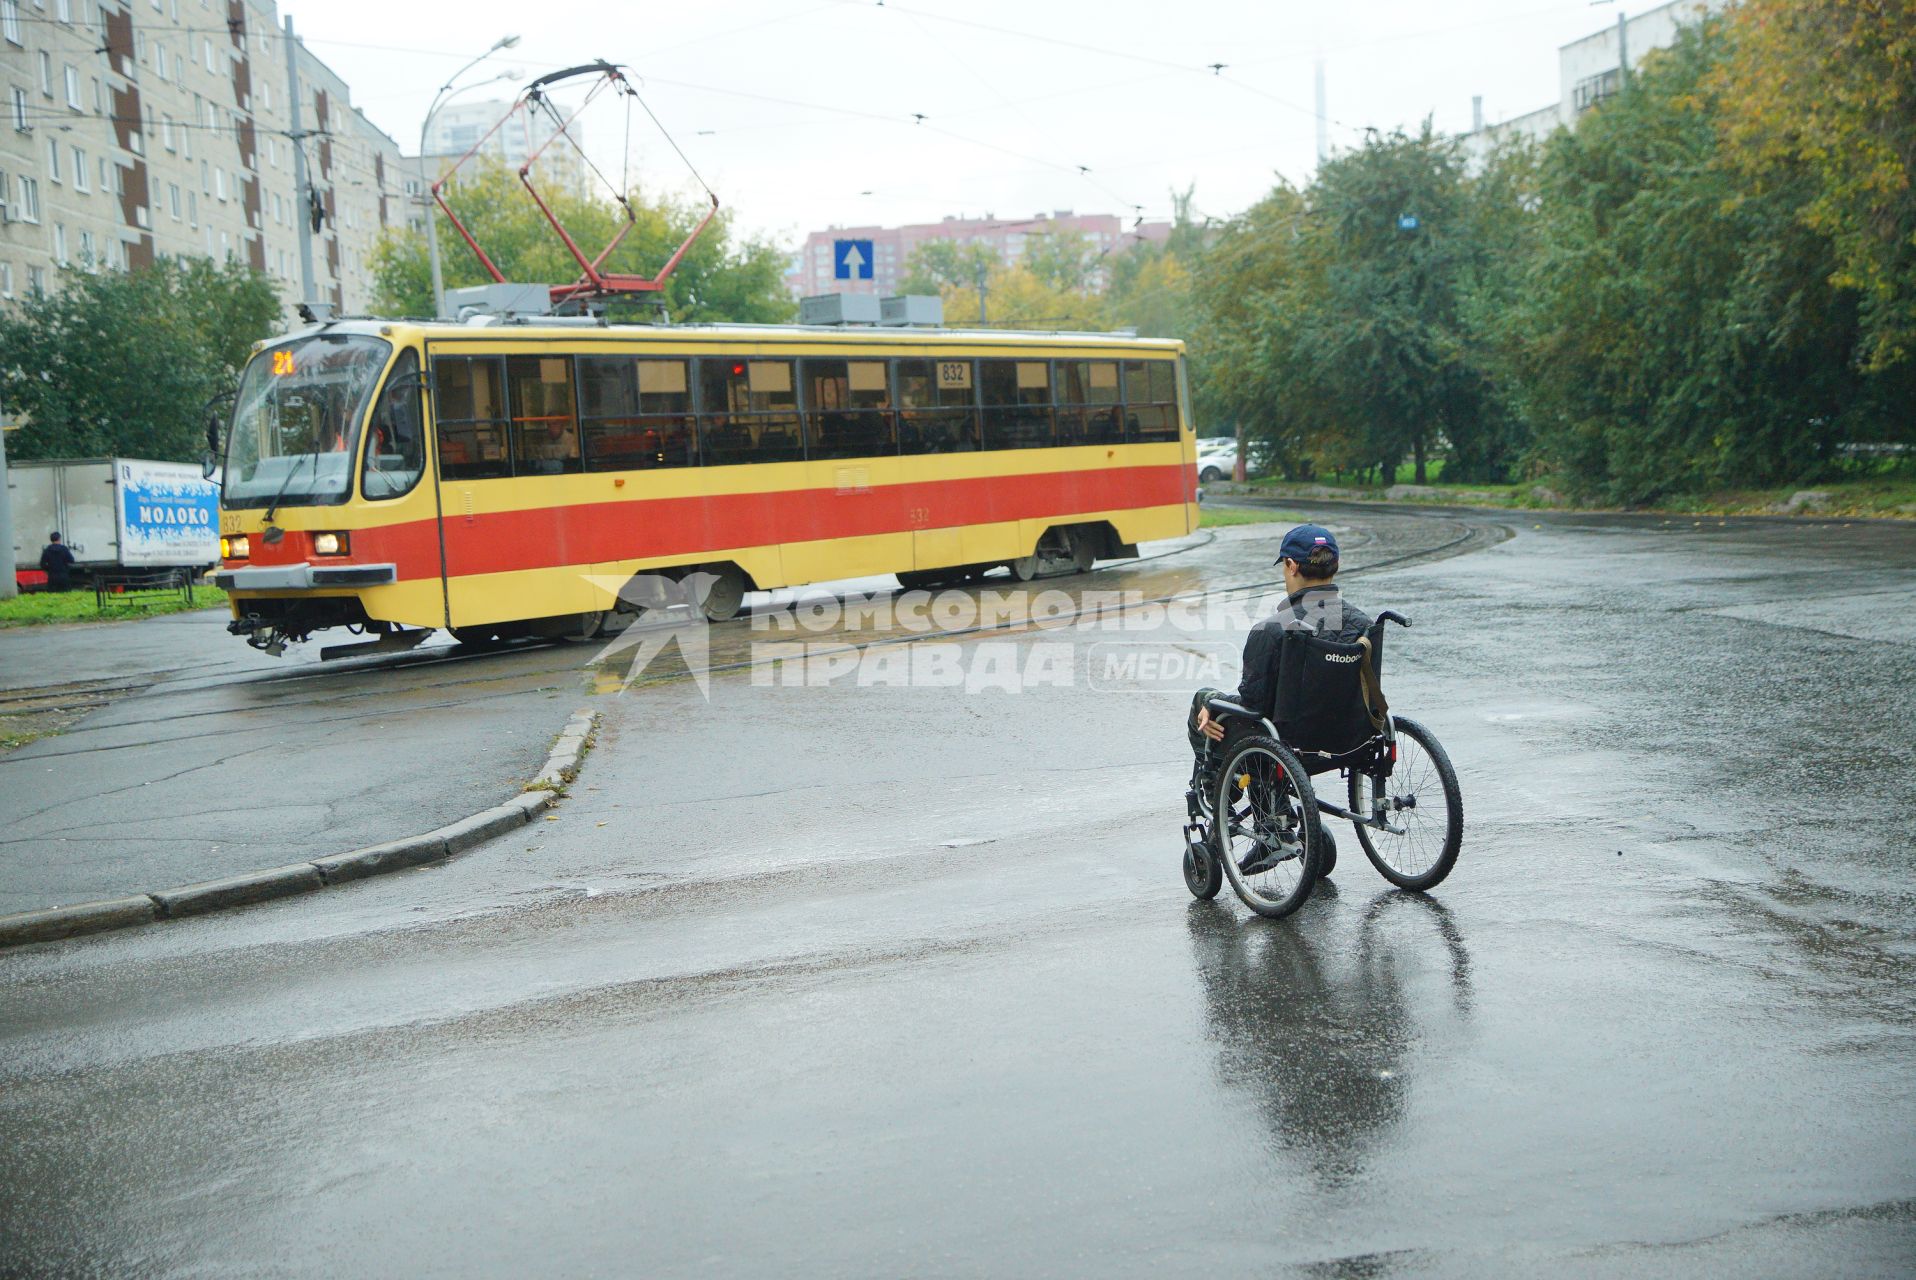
(561, 767)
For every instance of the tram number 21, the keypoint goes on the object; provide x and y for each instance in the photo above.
(955, 374)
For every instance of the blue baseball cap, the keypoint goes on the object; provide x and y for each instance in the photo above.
(1303, 540)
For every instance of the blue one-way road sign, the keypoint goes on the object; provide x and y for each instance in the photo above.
(851, 259)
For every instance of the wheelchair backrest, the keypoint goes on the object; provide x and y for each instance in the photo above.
(1320, 695)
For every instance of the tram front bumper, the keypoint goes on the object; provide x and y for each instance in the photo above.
(305, 577)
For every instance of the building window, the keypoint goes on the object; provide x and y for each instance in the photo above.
(6, 279)
(73, 88)
(1594, 89)
(36, 279)
(10, 21)
(20, 120)
(60, 243)
(207, 48)
(86, 252)
(192, 208)
(173, 200)
(81, 179)
(29, 199)
(63, 9)
(53, 161)
(219, 183)
(46, 74)
(166, 133)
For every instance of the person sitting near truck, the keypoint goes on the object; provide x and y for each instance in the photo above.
(57, 563)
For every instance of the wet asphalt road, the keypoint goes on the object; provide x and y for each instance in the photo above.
(855, 980)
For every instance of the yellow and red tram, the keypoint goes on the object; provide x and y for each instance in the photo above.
(502, 479)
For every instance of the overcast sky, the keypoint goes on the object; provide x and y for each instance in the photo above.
(799, 113)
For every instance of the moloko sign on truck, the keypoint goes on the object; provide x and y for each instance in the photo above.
(169, 514)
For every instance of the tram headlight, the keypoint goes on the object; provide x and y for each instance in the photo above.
(237, 547)
(331, 544)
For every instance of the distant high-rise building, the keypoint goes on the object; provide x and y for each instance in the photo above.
(460, 127)
(813, 271)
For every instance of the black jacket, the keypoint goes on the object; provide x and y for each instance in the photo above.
(1320, 610)
(57, 563)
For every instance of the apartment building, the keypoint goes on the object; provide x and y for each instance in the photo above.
(1589, 70)
(136, 129)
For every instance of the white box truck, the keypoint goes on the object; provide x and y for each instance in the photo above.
(115, 513)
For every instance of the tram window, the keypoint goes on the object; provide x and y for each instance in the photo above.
(1017, 400)
(396, 446)
(635, 414)
(545, 431)
(848, 412)
(1150, 400)
(1088, 409)
(470, 409)
(936, 406)
(748, 411)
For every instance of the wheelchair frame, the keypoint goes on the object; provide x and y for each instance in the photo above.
(1207, 836)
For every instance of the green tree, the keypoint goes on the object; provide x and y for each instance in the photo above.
(1334, 318)
(1823, 93)
(936, 265)
(1061, 260)
(1673, 326)
(1253, 286)
(721, 278)
(121, 363)
(1401, 243)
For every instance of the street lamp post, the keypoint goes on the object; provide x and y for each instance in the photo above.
(432, 221)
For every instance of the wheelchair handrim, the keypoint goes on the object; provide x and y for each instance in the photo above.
(1262, 829)
(1425, 824)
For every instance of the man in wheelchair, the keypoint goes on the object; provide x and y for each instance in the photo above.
(1305, 668)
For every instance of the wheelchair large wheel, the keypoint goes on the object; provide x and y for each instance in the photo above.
(1423, 800)
(1264, 828)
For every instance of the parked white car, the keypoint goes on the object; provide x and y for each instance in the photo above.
(1218, 464)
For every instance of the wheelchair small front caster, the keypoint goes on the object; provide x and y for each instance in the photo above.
(1202, 874)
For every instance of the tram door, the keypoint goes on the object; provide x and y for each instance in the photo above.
(403, 527)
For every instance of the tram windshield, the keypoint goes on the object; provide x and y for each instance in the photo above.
(297, 421)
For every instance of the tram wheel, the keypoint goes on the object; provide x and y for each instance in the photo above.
(726, 595)
(1084, 552)
(1024, 568)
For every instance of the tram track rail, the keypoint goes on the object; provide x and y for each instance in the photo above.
(81, 698)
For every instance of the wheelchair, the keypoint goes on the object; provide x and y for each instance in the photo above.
(1254, 815)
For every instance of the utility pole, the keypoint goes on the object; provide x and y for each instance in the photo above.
(1323, 118)
(302, 189)
(8, 584)
(1623, 50)
(981, 270)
